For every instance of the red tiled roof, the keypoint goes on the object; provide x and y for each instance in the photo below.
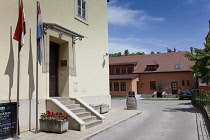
(123, 77)
(166, 61)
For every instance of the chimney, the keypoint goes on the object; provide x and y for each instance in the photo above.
(191, 50)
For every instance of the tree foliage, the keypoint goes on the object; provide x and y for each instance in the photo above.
(202, 58)
(126, 53)
(169, 50)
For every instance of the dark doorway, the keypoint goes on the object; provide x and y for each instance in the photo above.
(54, 51)
(174, 87)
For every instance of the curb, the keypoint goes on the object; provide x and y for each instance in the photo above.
(91, 135)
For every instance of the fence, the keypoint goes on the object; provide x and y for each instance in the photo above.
(203, 96)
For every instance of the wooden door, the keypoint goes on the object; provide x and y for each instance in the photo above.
(174, 87)
(54, 51)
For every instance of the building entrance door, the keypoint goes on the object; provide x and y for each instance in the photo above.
(54, 51)
(174, 87)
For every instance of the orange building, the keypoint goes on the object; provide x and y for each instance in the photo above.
(142, 73)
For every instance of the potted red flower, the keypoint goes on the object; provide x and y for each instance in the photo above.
(54, 122)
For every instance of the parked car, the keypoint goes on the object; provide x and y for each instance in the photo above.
(185, 94)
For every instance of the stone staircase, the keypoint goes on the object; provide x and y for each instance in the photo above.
(83, 111)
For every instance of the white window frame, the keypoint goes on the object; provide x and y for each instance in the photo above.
(81, 9)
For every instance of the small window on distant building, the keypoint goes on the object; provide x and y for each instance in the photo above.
(123, 70)
(111, 71)
(82, 9)
(152, 67)
(116, 86)
(130, 70)
(178, 66)
(183, 84)
(110, 86)
(188, 83)
(123, 86)
(117, 70)
(153, 85)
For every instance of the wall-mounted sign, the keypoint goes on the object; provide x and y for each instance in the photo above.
(8, 120)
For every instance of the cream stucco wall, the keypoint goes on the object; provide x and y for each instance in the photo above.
(87, 73)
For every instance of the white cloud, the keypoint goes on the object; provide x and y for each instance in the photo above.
(122, 44)
(119, 15)
(121, 47)
(146, 45)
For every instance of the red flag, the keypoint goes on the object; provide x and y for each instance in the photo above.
(20, 28)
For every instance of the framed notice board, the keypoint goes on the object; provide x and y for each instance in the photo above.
(8, 120)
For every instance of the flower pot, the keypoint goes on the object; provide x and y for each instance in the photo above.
(59, 126)
(104, 109)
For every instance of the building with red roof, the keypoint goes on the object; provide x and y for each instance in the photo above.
(142, 73)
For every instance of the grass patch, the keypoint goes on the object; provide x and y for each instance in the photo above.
(118, 98)
(160, 99)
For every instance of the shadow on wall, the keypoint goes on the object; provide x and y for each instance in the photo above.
(10, 66)
(31, 79)
(30, 71)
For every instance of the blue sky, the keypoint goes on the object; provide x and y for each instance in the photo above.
(154, 25)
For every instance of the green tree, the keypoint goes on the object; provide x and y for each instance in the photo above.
(140, 53)
(115, 54)
(152, 52)
(202, 67)
(158, 52)
(126, 53)
(174, 49)
(169, 50)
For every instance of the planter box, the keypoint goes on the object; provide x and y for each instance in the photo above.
(54, 126)
(104, 109)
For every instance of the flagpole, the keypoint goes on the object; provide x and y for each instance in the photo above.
(18, 82)
(37, 102)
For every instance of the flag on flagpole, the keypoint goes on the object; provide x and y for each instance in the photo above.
(20, 30)
(40, 33)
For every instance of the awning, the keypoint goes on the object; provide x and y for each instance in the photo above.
(62, 29)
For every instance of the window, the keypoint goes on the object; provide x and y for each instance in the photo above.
(110, 86)
(82, 8)
(116, 86)
(152, 67)
(130, 70)
(117, 70)
(183, 83)
(123, 70)
(153, 85)
(123, 86)
(178, 66)
(111, 71)
(188, 83)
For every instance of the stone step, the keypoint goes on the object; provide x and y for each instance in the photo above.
(88, 118)
(83, 114)
(66, 102)
(92, 123)
(61, 98)
(78, 110)
(72, 106)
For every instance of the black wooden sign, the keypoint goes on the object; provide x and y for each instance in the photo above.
(8, 120)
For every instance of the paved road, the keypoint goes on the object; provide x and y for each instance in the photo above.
(160, 120)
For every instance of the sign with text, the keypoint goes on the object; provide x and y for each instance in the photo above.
(8, 120)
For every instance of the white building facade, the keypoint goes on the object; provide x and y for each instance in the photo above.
(74, 64)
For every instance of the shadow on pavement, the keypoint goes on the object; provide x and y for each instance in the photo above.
(191, 110)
